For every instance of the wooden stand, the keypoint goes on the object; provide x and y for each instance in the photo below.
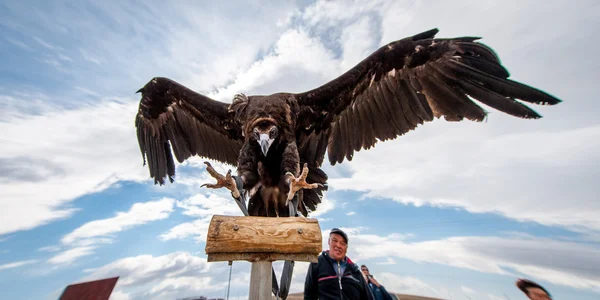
(262, 240)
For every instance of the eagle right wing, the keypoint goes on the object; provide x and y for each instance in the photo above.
(172, 115)
(405, 83)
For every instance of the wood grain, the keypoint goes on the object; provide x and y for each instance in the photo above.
(262, 235)
(260, 281)
(254, 257)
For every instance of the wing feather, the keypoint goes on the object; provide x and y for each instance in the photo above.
(395, 106)
(406, 83)
(368, 137)
(173, 120)
(357, 133)
(348, 133)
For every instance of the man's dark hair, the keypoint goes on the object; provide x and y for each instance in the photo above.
(524, 284)
(363, 266)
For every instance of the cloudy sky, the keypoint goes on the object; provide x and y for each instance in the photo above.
(454, 210)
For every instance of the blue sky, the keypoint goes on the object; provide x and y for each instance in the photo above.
(453, 210)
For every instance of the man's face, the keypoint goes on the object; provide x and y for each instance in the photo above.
(337, 247)
(537, 294)
(365, 271)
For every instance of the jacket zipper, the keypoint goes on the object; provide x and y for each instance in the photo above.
(340, 279)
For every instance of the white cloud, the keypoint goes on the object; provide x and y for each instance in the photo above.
(557, 262)
(203, 207)
(17, 264)
(389, 261)
(357, 41)
(510, 174)
(196, 229)
(331, 13)
(95, 144)
(93, 154)
(170, 276)
(69, 256)
(298, 61)
(119, 295)
(298, 277)
(494, 297)
(44, 43)
(408, 285)
(49, 248)
(298, 52)
(327, 204)
(84, 240)
(139, 214)
(468, 290)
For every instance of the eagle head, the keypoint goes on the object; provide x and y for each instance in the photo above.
(265, 132)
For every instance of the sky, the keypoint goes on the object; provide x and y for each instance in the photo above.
(452, 210)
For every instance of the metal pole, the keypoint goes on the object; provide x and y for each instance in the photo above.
(229, 284)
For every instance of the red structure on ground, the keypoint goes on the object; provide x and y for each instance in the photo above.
(91, 290)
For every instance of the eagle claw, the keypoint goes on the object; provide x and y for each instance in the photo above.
(226, 181)
(298, 183)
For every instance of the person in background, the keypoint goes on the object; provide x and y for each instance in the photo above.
(334, 275)
(533, 290)
(379, 292)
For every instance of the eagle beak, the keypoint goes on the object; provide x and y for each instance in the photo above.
(265, 143)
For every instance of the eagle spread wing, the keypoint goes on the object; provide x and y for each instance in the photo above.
(403, 84)
(171, 114)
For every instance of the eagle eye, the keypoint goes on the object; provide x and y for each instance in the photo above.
(273, 132)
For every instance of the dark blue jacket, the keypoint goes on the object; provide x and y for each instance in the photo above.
(323, 283)
(380, 293)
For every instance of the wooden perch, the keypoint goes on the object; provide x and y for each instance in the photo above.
(255, 239)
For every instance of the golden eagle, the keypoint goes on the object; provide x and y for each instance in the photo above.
(401, 85)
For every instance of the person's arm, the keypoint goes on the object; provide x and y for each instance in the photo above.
(310, 284)
(374, 281)
(366, 294)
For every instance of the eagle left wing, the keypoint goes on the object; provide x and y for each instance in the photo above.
(403, 84)
(172, 115)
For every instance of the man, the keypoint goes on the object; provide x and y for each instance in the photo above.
(335, 276)
(377, 289)
(533, 290)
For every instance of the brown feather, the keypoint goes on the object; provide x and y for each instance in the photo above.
(402, 84)
(410, 82)
(349, 134)
(388, 87)
(495, 100)
(171, 115)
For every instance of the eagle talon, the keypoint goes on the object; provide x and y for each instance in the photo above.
(226, 181)
(298, 183)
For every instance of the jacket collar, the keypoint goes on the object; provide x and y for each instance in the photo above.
(347, 259)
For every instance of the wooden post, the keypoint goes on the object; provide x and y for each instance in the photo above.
(260, 280)
(262, 240)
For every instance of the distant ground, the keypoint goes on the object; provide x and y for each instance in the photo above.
(299, 296)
